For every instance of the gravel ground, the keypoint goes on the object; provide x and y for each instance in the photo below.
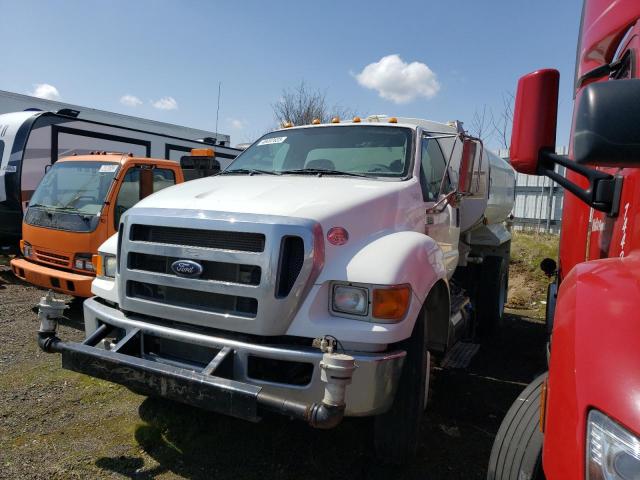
(58, 424)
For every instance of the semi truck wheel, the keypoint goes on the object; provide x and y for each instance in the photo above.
(491, 296)
(396, 432)
(517, 448)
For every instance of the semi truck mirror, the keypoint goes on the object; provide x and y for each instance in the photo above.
(465, 176)
(534, 119)
(607, 124)
(549, 267)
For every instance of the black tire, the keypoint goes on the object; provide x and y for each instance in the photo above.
(397, 432)
(491, 294)
(517, 448)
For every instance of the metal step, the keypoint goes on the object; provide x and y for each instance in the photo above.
(460, 356)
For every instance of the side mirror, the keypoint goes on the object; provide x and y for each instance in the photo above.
(465, 177)
(199, 166)
(549, 267)
(534, 119)
(607, 124)
(146, 183)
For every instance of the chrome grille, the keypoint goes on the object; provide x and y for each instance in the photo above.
(193, 237)
(256, 269)
(219, 271)
(214, 302)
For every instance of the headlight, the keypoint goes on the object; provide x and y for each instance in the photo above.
(82, 261)
(105, 265)
(613, 453)
(109, 263)
(27, 250)
(350, 300)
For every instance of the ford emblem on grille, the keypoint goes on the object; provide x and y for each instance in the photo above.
(186, 268)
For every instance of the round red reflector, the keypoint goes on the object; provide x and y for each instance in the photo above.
(337, 236)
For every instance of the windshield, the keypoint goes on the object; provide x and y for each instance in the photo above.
(370, 151)
(75, 186)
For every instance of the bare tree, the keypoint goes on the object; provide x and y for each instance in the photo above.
(301, 105)
(502, 124)
(481, 123)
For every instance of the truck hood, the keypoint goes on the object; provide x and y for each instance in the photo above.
(316, 198)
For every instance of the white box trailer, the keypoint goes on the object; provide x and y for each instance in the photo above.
(35, 133)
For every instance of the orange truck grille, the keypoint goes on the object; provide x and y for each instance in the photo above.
(52, 258)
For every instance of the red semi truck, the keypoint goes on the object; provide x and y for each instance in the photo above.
(581, 420)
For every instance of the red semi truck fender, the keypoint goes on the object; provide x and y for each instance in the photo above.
(595, 359)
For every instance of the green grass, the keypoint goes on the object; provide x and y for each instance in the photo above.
(527, 283)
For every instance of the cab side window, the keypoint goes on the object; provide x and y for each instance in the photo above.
(432, 168)
(128, 195)
(163, 178)
(139, 183)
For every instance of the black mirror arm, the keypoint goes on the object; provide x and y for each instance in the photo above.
(604, 190)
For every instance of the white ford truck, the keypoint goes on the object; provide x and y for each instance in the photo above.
(313, 277)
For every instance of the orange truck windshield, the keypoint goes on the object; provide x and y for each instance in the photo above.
(79, 187)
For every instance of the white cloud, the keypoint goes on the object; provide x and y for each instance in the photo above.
(237, 124)
(166, 103)
(130, 100)
(46, 91)
(398, 81)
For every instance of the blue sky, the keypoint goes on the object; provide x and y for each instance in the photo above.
(169, 56)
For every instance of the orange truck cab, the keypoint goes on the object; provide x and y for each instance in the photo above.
(75, 208)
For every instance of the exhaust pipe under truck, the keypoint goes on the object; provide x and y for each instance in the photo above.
(314, 277)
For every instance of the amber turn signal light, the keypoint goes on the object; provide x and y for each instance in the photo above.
(97, 264)
(543, 404)
(391, 303)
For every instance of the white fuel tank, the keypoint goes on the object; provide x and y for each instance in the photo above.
(501, 190)
(493, 185)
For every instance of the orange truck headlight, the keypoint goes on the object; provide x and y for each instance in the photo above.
(391, 303)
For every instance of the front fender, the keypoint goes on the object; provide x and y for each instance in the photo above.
(595, 359)
(401, 257)
(396, 258)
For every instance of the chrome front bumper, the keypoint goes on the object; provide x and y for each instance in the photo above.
(371, 392)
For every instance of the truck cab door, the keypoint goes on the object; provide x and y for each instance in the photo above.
(138, 182)
(442, 226)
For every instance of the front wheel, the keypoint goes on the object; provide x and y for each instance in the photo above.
(396, 432)
(517, 448)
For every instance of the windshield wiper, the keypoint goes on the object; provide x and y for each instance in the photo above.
(323, 171)
(54, 207)
(248, 171)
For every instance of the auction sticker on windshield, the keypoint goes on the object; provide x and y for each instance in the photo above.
(108, 168)
(270, 141)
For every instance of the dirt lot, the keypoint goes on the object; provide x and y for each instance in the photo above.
(58, 424)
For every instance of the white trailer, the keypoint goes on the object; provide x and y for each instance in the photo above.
(36, 132)
(314, 277)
